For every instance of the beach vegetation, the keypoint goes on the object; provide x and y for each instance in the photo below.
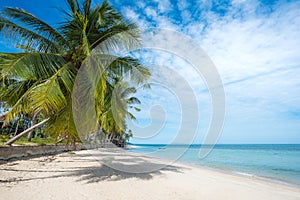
(36, 81)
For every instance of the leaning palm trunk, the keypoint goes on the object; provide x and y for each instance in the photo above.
(61, 139)
(12, 140)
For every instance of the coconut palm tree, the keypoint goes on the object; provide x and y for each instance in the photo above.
(39, 79)
(119, 100)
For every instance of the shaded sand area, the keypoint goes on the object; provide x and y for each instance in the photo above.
(80, 176)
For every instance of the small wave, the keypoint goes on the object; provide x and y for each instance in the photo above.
(133, 147)
(244, 174)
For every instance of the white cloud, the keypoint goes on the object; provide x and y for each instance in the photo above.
(182, 5)
(244, 47)
(141, 4)
(164, 5)
(151, 13)
(129, 13)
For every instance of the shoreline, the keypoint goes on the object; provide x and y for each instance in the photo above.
(245, 174)
(226, 171)
(89, 174)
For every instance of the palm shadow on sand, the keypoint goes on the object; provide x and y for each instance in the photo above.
(111, 166)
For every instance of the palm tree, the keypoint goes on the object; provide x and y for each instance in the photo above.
(38, 80)
(119, 100)
(122, 101)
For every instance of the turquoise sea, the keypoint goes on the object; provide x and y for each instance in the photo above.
(275, 162)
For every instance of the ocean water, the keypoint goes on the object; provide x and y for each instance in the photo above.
(279, 163)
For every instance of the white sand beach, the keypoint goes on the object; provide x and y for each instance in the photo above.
(80, 176)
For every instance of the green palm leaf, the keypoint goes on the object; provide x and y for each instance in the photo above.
(22, 36)
(36, 24)
(30, 65)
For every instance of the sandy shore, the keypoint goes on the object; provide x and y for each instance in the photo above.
(81, 176)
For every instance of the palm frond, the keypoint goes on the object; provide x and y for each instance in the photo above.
(131, 116)
(20, 107)
(116, 38)
(74, 6)
(43, 96)
(36, 24)
(134, 100)
(62, 124)
(132, 67)
(67, 76)
(47, 98)
(108, 15)
(87, 7)
(12, 92)
(30, 65)
(19, 35)
(128, 91)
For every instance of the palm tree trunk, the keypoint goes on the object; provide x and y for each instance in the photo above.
(95, 136)
(74, 143)
(111, 137)
(17, 127)
(102, 137)
(12, 140)
(34, 121)
(3, 115)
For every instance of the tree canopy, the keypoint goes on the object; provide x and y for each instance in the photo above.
(39, 79)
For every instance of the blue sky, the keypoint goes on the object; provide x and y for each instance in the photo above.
(254, 45)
